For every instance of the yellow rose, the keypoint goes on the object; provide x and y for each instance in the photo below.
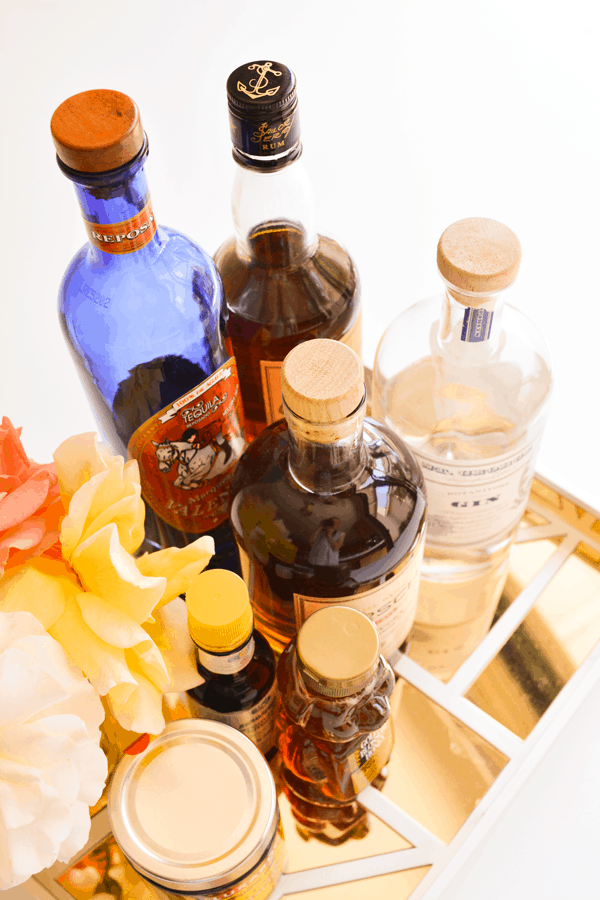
(98, 601)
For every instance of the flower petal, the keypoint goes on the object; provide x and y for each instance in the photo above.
(178, 565)
(172, 637)
(103, 664)
(141, 711)
(25, 688)
(113, 495)
(110, 623)
(107, 570)
(25, 500)
(13, 459)
(77, 460)
(33, 591)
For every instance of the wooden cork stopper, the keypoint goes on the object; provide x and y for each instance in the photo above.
(322, 381)
(479, 255)
(96, 131)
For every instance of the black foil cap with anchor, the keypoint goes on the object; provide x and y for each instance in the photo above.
(263, 115)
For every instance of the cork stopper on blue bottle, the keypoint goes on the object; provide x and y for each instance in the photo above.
(263, 115)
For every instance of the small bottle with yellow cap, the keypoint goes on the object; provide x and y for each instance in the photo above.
(234, 659)
(334, 728)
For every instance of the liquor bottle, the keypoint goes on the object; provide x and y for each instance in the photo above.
(328, 508)
(235, 660)
(141, 309)
(283, 282)
(465, 380)
(334, 728)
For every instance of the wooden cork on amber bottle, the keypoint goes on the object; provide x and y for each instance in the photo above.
(322, 382)
(97, 131)
(479, 255)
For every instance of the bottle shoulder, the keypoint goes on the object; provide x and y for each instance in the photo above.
(480, 406)
(332, 544)
(284, 287)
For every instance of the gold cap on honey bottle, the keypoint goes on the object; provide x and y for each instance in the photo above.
(338, 651)
(219, 612)
(479, 255)
(96, 131)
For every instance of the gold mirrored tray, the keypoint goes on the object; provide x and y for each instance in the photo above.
(462, 748)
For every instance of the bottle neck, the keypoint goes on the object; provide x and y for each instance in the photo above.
(470, 325)
(328, 458)
(227, 663)
(273, 215)
(117, 211)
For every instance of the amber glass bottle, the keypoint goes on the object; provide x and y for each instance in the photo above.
(334, 727)
(283, 283)
(234, 659)
(328, 507)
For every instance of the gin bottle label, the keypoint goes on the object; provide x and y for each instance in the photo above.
(123, 237)
(392, 605)
(187, 453)
(472, 503)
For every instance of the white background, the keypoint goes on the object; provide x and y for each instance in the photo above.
(414, 114)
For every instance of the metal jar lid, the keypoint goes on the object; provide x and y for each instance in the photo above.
(197, 809)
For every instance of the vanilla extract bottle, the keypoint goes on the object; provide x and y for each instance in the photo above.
(334, 728)
(283, 283)
(465, 380)
(328, 507)
(141, 309)
(234, 659)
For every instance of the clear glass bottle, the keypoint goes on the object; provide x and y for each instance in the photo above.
(234, 659)
(335, 733)
(141, 308)
(465, 379)
(328, 508)
(283, 282)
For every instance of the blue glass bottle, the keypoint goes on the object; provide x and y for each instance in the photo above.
(141, 308)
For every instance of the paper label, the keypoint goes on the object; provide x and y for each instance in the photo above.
(227, 663)
(374, 752)
(391, 606)
(260, 883)
(475, 503)
(477, 325)
(187, 453)
(257, 723)
(270, 373)
(123, 237)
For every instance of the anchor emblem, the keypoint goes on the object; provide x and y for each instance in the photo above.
(256, 84)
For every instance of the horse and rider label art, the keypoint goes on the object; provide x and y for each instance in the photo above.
(187, 453)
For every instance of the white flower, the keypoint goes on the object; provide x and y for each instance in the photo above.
(51, 766)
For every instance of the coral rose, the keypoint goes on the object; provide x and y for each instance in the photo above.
(30, 504)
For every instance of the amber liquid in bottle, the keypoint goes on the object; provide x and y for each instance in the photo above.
(285, 292)
(282, 529)
(330, 749)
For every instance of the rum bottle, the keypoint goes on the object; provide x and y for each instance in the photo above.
(234, 659)
(283, 283)
(464, 379)
(334, 728)
(141, 309)
(328, 507)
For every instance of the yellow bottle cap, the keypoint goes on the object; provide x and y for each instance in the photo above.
(219, 612)
(338, 651)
